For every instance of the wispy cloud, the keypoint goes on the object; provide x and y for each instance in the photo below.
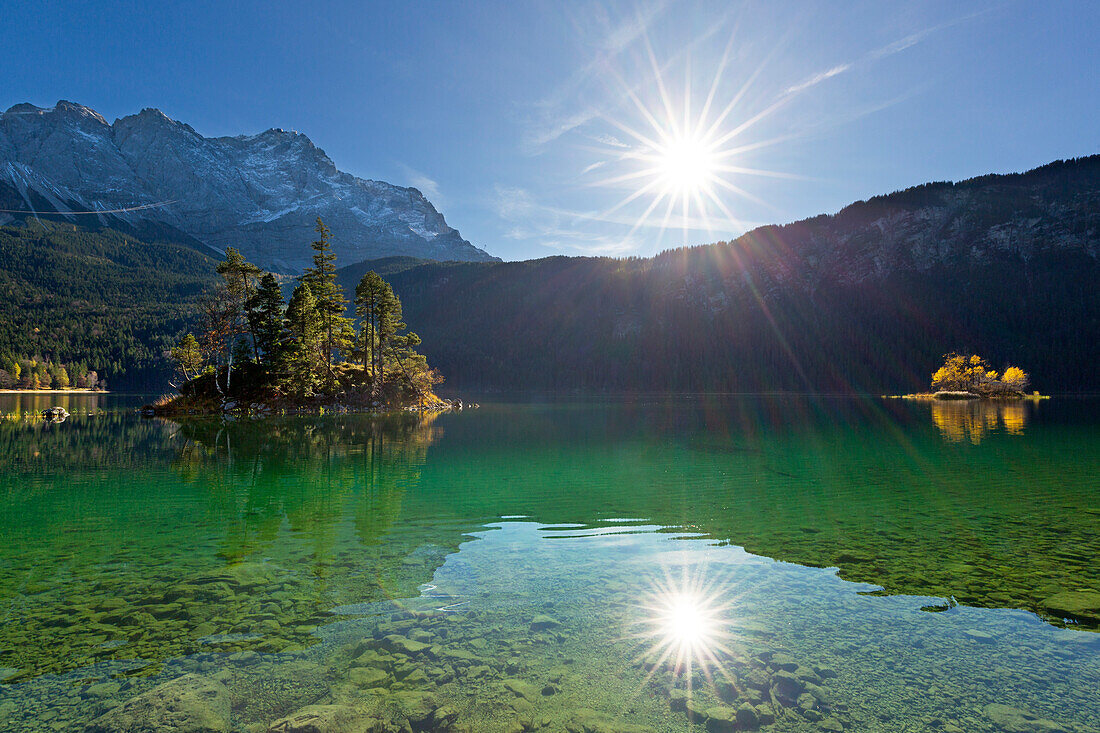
(552, 126)
(551, 118)
(817, 79)
(526, 219)
(877, 54)
(428, 186)
(914, 38)
(610, 141)
(589, 168)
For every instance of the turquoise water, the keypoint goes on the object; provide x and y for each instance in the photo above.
(658, 563)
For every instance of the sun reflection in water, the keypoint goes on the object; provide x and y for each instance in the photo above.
(684, 626)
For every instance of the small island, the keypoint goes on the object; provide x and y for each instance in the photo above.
(970, 377)
(257, 355)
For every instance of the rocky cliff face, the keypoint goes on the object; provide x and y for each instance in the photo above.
(260, 193)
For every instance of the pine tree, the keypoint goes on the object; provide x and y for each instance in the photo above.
(330, 300)
(302, 338)
(368, 294)
(379, 312)
(379, 340)
(265, 317)
(188, 356)
(239, 275)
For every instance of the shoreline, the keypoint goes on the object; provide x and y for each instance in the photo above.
(959, 396)
(55, 391)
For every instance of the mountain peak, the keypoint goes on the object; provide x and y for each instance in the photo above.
(153, 114)
(23, 108)
(261, 193)
(69, 109)
(153, 119)
(64, 109)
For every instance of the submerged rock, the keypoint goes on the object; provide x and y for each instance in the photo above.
(1078, 604)
(721, 719)
(243, 575)
(747, 717)
(368, 677)
(417, 707)
(543, 622)
(523, 689)
(188, 704)
(326, 719)
(1014, 720)
(403, 645)
(584, 720)
(786, 687)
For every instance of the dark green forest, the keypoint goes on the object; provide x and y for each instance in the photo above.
(683, 321)
(97, 298)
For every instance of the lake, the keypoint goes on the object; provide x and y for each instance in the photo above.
(657, 563)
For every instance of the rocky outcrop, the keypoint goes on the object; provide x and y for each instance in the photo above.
(260, 193)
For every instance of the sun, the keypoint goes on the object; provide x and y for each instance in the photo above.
(686, 166)
(680, 156)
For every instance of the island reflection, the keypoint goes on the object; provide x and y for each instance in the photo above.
(974, 420)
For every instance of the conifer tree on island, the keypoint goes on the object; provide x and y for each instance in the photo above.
(330, 302)
(301, 344)
(254, 352)
(239, 276)
(265, 318)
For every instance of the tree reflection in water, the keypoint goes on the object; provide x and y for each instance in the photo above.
(973, 420)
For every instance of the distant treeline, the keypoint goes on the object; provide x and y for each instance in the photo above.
(98, 299)
(19, 372)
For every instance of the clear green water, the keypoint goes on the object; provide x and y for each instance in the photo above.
(626, 565)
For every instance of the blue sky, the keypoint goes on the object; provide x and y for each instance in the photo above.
(536, 128)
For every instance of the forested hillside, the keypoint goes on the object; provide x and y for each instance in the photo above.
(868, 299)
(684, 321)
(98, 298)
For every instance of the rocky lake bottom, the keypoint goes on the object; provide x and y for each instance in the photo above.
(644, 565)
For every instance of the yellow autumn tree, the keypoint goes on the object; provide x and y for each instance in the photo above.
(1016, 378)
(972, 373)
(959, 373)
